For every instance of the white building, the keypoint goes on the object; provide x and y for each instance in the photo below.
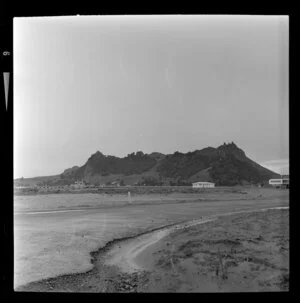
(78, 184)
(284, 181)
(203, 185)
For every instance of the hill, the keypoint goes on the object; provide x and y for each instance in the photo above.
(35, 180)
(224, 165)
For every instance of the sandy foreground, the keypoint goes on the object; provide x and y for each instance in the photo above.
(245, 250)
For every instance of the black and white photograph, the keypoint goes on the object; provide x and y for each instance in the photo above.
(150, 153)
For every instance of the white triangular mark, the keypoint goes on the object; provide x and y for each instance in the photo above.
(6, 87)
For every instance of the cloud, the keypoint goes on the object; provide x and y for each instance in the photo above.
(168, 78)
(280, 166)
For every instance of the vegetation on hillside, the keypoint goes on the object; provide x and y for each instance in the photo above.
(225, 165)
(134, 163)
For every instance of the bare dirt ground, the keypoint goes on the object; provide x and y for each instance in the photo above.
(243, 252)
(54, 235)
(233, 252)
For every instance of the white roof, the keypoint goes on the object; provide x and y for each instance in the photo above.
(203, 182)
(275, 180)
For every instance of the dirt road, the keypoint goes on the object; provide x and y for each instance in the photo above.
(125, 254)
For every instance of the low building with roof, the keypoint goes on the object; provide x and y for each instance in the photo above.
(203, 184)
(283, 182)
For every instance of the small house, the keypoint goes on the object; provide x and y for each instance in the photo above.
(203, 185)
(284, 182)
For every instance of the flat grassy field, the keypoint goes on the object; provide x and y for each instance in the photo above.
(138, 195)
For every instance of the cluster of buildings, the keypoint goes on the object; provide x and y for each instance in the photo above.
(283, 182)
(76, 185)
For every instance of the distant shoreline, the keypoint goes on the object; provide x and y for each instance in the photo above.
(136, 190)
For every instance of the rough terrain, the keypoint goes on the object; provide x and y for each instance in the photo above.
(233, 252)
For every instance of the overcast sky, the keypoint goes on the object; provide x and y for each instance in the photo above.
(150, 83)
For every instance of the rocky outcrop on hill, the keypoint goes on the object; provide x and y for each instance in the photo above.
(224, 165)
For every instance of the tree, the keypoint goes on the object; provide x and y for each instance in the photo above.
(139, 154)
